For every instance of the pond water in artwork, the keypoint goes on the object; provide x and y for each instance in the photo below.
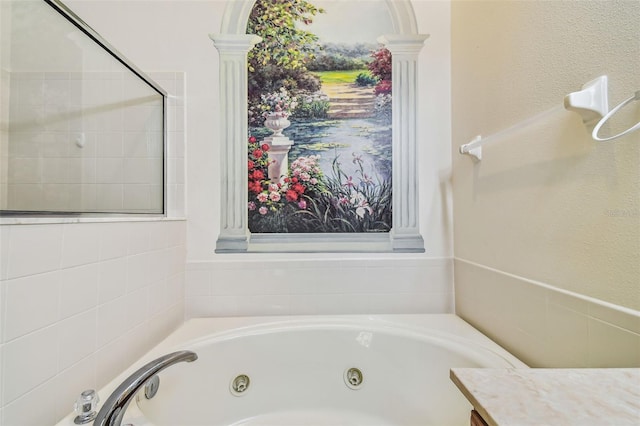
(344, 140)
(347, 184)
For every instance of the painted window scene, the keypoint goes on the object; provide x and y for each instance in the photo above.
(319, 115)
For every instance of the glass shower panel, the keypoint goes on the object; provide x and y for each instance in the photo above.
(81, 129)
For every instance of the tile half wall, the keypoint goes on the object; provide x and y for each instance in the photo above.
(329, 285)
(545, 326)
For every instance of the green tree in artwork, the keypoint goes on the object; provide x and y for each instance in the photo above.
(280, 59)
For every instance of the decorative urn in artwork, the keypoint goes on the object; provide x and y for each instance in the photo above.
(276, 108)
(276, 122)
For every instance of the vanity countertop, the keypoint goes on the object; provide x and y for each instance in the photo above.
(536, 396)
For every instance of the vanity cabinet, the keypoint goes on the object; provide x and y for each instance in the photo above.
(476, 419)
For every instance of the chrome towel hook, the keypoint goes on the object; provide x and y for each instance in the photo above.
(596, 129)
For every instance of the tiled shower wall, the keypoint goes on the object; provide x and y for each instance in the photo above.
(87, 141)
(79, 303)
(81, 300)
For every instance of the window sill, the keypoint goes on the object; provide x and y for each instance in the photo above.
(323, 243)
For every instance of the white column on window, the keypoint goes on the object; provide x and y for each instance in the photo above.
(405, 49)
(233, 49)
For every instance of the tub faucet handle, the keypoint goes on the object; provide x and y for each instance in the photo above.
(86, 407)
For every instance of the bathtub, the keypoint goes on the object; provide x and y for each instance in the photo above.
(316, 370)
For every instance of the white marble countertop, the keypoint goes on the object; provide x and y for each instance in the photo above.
(566, 397)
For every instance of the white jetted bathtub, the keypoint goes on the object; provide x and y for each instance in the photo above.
(319, 370)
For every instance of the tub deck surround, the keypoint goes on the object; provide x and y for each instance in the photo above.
(298, 371)
(599, 396)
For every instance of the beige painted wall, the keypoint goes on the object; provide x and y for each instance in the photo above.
(547, 203)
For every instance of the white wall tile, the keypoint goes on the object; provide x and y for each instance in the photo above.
(110, 144)
(330, 304)
(79, 289)
(70, 382)
(176, 260)
(112, 281)
(25, 197)
(76, 339)
(110, 197)
(32, 302)
(159, 297)
(28, 362)
(160, 262)
(35, 408)
(111, 360)
(24, 170)
(623, 318)
(34, 249)
(138, 269)
(62, 170)
(438, 303)
(255, 305)
(611, 346)
(81, 244)
(324, 287)
(175, 287)
(5, 244)
(138, 170)
(112, 322)
(176, 233)
(136, 307)
(2, 346)
(138, 238)
(545, 326)
(114, 240)
(162, 324)
(199, 283)
(158, 235)
(303, 304)
(568, 335)
(397, 303)
(109, 170)
(139, 197)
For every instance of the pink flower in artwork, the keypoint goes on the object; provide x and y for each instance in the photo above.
(252, 205)
(263, 197)
(349, 183)
(262, 210)
(302, 204)
(274, 196)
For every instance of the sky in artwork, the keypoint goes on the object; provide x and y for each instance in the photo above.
(351, 21)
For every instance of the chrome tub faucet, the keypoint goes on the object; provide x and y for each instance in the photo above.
(115, 406)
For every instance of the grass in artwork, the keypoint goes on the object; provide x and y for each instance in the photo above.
(338, 77)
